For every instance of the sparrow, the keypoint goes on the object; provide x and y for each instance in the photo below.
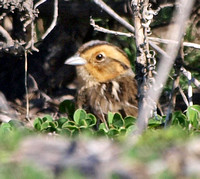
(106, 80)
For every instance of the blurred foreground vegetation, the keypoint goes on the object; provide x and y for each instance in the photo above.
(148, 150)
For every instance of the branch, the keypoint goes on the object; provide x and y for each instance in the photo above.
(112, 13)
(183, 96)
(166, 41)
(26, 87)
(138, 10)
(189, 77)
(104, 30)
(167, 61)
(193, 80)
(32, 16)
(53, 24)
(183, 70)
(39, 3)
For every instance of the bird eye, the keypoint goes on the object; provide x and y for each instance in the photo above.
(100, 57)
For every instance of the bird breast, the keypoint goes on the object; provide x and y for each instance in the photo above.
(114, 96)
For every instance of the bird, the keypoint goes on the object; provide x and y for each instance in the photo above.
(106, 82)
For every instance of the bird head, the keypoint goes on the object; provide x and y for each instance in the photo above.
(99, 61)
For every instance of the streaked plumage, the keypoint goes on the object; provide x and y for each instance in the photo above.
(106, 80)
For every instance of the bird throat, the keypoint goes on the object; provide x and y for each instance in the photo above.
(89, 76)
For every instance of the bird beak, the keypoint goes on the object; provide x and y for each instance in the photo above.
(75, 60)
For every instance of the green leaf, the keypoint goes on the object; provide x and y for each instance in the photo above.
(117, 120)
(130, 129)
(68, 123)
(87, 131)
(15, 123)
(47, 118)
(68, 107)
(178, 118)
(122, 132)
(129, 120)
(110, 118)
(71, 127)
(85, 122)
(75, 132)
(193, 114)
(61, 121)
(37, 123)
(65, 131)
(45, 125)
(101, 132)
(102, 126)
(154, 123)
(5, 127)
(53, 124)
(79, 115)
(92, 118)
(113, 132)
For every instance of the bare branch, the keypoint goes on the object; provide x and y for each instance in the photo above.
(183, 70)
(26, 87)
(183, 96)
(166, 41)
(158, 49)
(193, 80)
(166, 63)
(104, 30)
(53, 24)
(30, 44)
(139, 9)
(193, 45)
(112, 13)
(26, 84)
(39, 3)
(189, 77)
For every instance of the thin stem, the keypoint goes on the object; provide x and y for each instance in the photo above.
(166, 41)
(104, 30)
(113, 14)
(26, 87)
(55, 17)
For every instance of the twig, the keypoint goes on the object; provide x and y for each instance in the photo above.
(112, 13)
(183, 70)
(158, 49)
(26, 87)
(31, 43)
(167, 5)
(39, 3)
(104, 30)
(166, 41)
(193, 80)
(53, 24)
(166, 63)
(189, 77)
(193, 45)
(183, 96)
